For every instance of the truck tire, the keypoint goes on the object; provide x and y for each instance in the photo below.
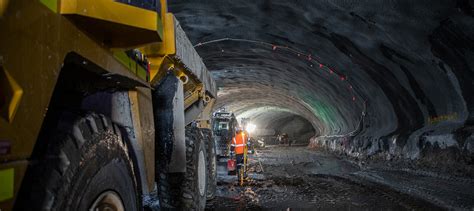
(163, 188)
(186, 191)
(169, 188)
(212, 163)
(194, 189)
(85, 165)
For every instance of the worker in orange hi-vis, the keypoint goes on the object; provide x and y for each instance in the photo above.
(239, 143)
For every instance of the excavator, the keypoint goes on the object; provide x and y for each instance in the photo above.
(104, 105)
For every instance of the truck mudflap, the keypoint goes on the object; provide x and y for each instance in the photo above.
(168, 112)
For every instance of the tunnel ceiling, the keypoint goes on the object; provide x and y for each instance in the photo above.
(405, 64)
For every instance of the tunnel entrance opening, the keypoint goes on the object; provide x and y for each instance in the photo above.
(271, 122)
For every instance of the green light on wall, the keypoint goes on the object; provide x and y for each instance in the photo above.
(321, 110)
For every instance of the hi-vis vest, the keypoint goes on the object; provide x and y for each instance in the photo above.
(239, 142)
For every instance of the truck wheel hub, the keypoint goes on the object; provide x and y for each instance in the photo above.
(108, 201)
(201, 173)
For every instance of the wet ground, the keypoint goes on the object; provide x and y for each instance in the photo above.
(298, 178)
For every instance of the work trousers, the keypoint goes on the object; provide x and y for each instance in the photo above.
(239, 158)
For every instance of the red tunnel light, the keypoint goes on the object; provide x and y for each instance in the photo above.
(321, 65)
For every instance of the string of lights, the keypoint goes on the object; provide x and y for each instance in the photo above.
(307, 56)
(314, 62)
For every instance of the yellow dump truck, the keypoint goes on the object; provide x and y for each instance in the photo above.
(104, 104)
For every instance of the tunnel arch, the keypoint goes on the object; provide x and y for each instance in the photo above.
(269, 74)
(396, 76)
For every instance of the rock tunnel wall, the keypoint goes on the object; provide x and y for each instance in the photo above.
(391, 78)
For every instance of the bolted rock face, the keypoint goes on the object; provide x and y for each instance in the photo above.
(370, 77)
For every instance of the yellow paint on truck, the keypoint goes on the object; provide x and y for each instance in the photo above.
(7, 182)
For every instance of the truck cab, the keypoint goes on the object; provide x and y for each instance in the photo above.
(224, 125)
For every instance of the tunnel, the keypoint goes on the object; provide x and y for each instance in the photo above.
(368, 80)
(236, 105)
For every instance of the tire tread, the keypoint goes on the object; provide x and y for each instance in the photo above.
(55, 169)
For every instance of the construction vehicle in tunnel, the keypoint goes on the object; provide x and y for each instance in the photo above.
(102, 103)
(224, 125)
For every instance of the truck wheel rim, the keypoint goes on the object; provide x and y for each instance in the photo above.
(201, 173)
(108, 201)
(214, 166)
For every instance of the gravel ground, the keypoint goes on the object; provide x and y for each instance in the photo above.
(297, 178)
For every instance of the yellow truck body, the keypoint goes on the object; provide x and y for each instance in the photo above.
(36, 39)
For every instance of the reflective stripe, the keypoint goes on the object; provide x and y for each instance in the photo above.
(240, 145)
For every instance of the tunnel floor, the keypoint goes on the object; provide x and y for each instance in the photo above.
(296, 178)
